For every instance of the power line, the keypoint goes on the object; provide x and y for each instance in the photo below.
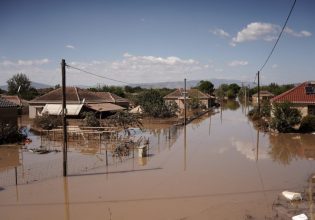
(94, 74)
(278, 36)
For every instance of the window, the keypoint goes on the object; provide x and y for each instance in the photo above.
(311, 110)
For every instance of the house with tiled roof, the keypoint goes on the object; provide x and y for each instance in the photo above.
(301, 96)
(264, 95)
(21, 103)
(8, 112)
(177, 96)
(77, 99)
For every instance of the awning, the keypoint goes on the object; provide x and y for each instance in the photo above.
(56, 109)
(105, 107)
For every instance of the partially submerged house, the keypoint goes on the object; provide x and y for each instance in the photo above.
(77, 100)
(301, 96)
(8, 112)
(178, 97)
(263, 96)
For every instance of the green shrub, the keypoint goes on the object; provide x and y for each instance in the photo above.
(90, 120)
(285, 117)
(47, 121)
(308, 124)
(10, 134)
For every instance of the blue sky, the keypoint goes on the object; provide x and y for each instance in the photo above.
(153, 41)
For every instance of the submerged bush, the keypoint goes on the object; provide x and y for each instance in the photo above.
(308, 124)
(90, 120)
(47, 121)
(285, 117)
(10, 134)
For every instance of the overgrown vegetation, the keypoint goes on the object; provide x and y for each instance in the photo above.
(285, 117)
(10, 134)
(125, 120)
(227, 91)
(273, 88)
(47, 121)
(153, 104)
(307, 124)
(118, 90)
(265, 109)
(90, 120)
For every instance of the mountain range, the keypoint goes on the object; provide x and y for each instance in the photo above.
(171, 85)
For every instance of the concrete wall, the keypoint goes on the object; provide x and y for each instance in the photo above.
(35, 110)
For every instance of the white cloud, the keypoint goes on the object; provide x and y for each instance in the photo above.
(274, 66)
(220, 32)
(264, 31)
(256, 31)
(129, 68)
(297, 34)
(36, 70)
(238, 63)
(139, 69)
(248, 149)
(6, 63)
(69, 46)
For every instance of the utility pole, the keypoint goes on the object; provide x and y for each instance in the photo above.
(245, 99)
(64, 117)
(185, 92)
(258, 91)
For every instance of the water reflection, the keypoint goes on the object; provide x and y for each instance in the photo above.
(287, 147)
(230, 105)
(66, 198)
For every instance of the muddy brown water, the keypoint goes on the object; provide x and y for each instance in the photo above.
(219, 167)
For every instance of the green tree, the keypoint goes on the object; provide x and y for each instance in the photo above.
(48, 122)
(90, 120)
(285, 117)
(153, 104)
(125, 120)
(21, 85)
(205, 86)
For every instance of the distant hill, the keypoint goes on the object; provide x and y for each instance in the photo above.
(189, 83)
(36, 85)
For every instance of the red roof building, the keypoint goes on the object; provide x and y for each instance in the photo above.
(302, 96)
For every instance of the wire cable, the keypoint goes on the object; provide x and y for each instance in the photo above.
(94, 74)
(278, 37)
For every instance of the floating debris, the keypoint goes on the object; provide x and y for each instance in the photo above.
(292, 196)
(42, 151)
(300, 217)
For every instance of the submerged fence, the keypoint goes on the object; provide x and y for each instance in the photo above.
(83, 157)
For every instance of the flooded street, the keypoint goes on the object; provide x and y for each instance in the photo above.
(218, 167)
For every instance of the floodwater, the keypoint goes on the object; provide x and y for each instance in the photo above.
(218, 167)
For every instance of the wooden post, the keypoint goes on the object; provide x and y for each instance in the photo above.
(258, 92)
(64, 117)
(16, 179)
(185, 113)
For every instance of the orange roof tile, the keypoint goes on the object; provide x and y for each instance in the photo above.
(297, 95)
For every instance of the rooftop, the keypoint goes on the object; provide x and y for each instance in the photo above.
(303, 93)
(6, 104)
(77, 95)
(178, 93)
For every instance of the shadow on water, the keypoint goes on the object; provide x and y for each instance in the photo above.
(115, 172)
